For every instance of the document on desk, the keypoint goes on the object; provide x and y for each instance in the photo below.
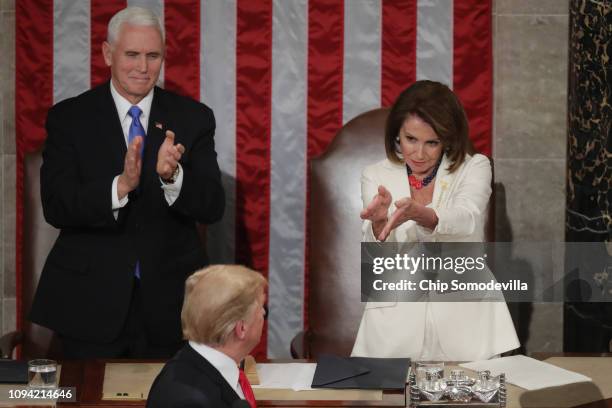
(364, 373)
(292, 381)
(527, 372)
(129, 381)
(292, 376)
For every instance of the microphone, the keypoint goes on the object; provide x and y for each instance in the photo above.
(241, 404)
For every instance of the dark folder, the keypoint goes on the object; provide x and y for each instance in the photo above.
(361, 373)
(13, 372)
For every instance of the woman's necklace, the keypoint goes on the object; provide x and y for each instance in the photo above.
(419, 184)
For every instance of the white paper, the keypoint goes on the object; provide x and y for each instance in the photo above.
(527, 372)
(293, 376)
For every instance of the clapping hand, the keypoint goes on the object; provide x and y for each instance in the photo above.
(168, 156)
(406, 209)
(378, 209)
(132, 166)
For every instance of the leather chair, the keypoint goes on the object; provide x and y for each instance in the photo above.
(38, 237)
(334, 284)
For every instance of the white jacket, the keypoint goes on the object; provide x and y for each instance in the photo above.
(465, 330)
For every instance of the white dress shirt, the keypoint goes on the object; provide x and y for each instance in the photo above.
(223, 363)
(171, 191)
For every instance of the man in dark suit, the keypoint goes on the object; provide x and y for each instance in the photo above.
(128, 169)
(222, 318)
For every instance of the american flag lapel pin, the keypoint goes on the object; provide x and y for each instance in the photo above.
(159, 126)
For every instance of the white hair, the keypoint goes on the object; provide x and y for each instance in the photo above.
(137, 16)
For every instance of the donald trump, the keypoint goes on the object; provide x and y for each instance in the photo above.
(222, 317)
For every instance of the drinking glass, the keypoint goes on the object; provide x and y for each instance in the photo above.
(42, 373)
(424, 367)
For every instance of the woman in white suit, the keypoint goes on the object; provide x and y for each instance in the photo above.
(429, 189)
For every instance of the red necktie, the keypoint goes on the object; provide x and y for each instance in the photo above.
(246, 389)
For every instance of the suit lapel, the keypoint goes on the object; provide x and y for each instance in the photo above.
(442, 182)
(109, 126)
(155, 135)
(399, 182)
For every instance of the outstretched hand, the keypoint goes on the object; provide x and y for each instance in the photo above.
(405, 209)
(377, 210)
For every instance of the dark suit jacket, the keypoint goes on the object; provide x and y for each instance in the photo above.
(189, 380)
(86, 284)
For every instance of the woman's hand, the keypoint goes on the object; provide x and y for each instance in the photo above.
(377, 210)
(408, 209)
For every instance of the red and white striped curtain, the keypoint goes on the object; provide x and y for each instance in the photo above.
(282, 77)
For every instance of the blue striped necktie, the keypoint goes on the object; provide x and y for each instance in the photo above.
(136, 129)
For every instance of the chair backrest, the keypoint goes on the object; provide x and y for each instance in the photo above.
(38, 238)
(334, 306)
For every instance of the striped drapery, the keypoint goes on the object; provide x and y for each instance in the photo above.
(282, 77)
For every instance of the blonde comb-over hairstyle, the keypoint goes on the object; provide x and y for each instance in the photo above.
(216, 298)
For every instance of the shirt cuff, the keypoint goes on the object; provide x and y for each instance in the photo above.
(116, 203)
(172, 191)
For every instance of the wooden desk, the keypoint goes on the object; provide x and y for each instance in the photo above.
(88, 379)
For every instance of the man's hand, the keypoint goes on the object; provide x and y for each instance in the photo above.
(168, 156)
(377, 210)
(132, 165)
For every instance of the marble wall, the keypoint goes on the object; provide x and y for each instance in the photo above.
(590, 123)
(530, 56)
(529, 142)
(588, 327)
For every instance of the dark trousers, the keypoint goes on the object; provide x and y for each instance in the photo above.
(132, 342)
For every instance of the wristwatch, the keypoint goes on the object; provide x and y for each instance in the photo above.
(174, 176)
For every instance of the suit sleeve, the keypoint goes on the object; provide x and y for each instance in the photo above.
(467, 207)
(67, 199)
(201, 196)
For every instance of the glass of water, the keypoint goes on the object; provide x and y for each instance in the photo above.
(423, 368)
(42, 373)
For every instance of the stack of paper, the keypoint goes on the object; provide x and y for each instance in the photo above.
(527, 372)
(293, 376)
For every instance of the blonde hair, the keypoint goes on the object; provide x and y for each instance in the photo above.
(216, 298)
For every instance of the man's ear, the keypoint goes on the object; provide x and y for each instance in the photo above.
(240, 330)
(107, 53)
